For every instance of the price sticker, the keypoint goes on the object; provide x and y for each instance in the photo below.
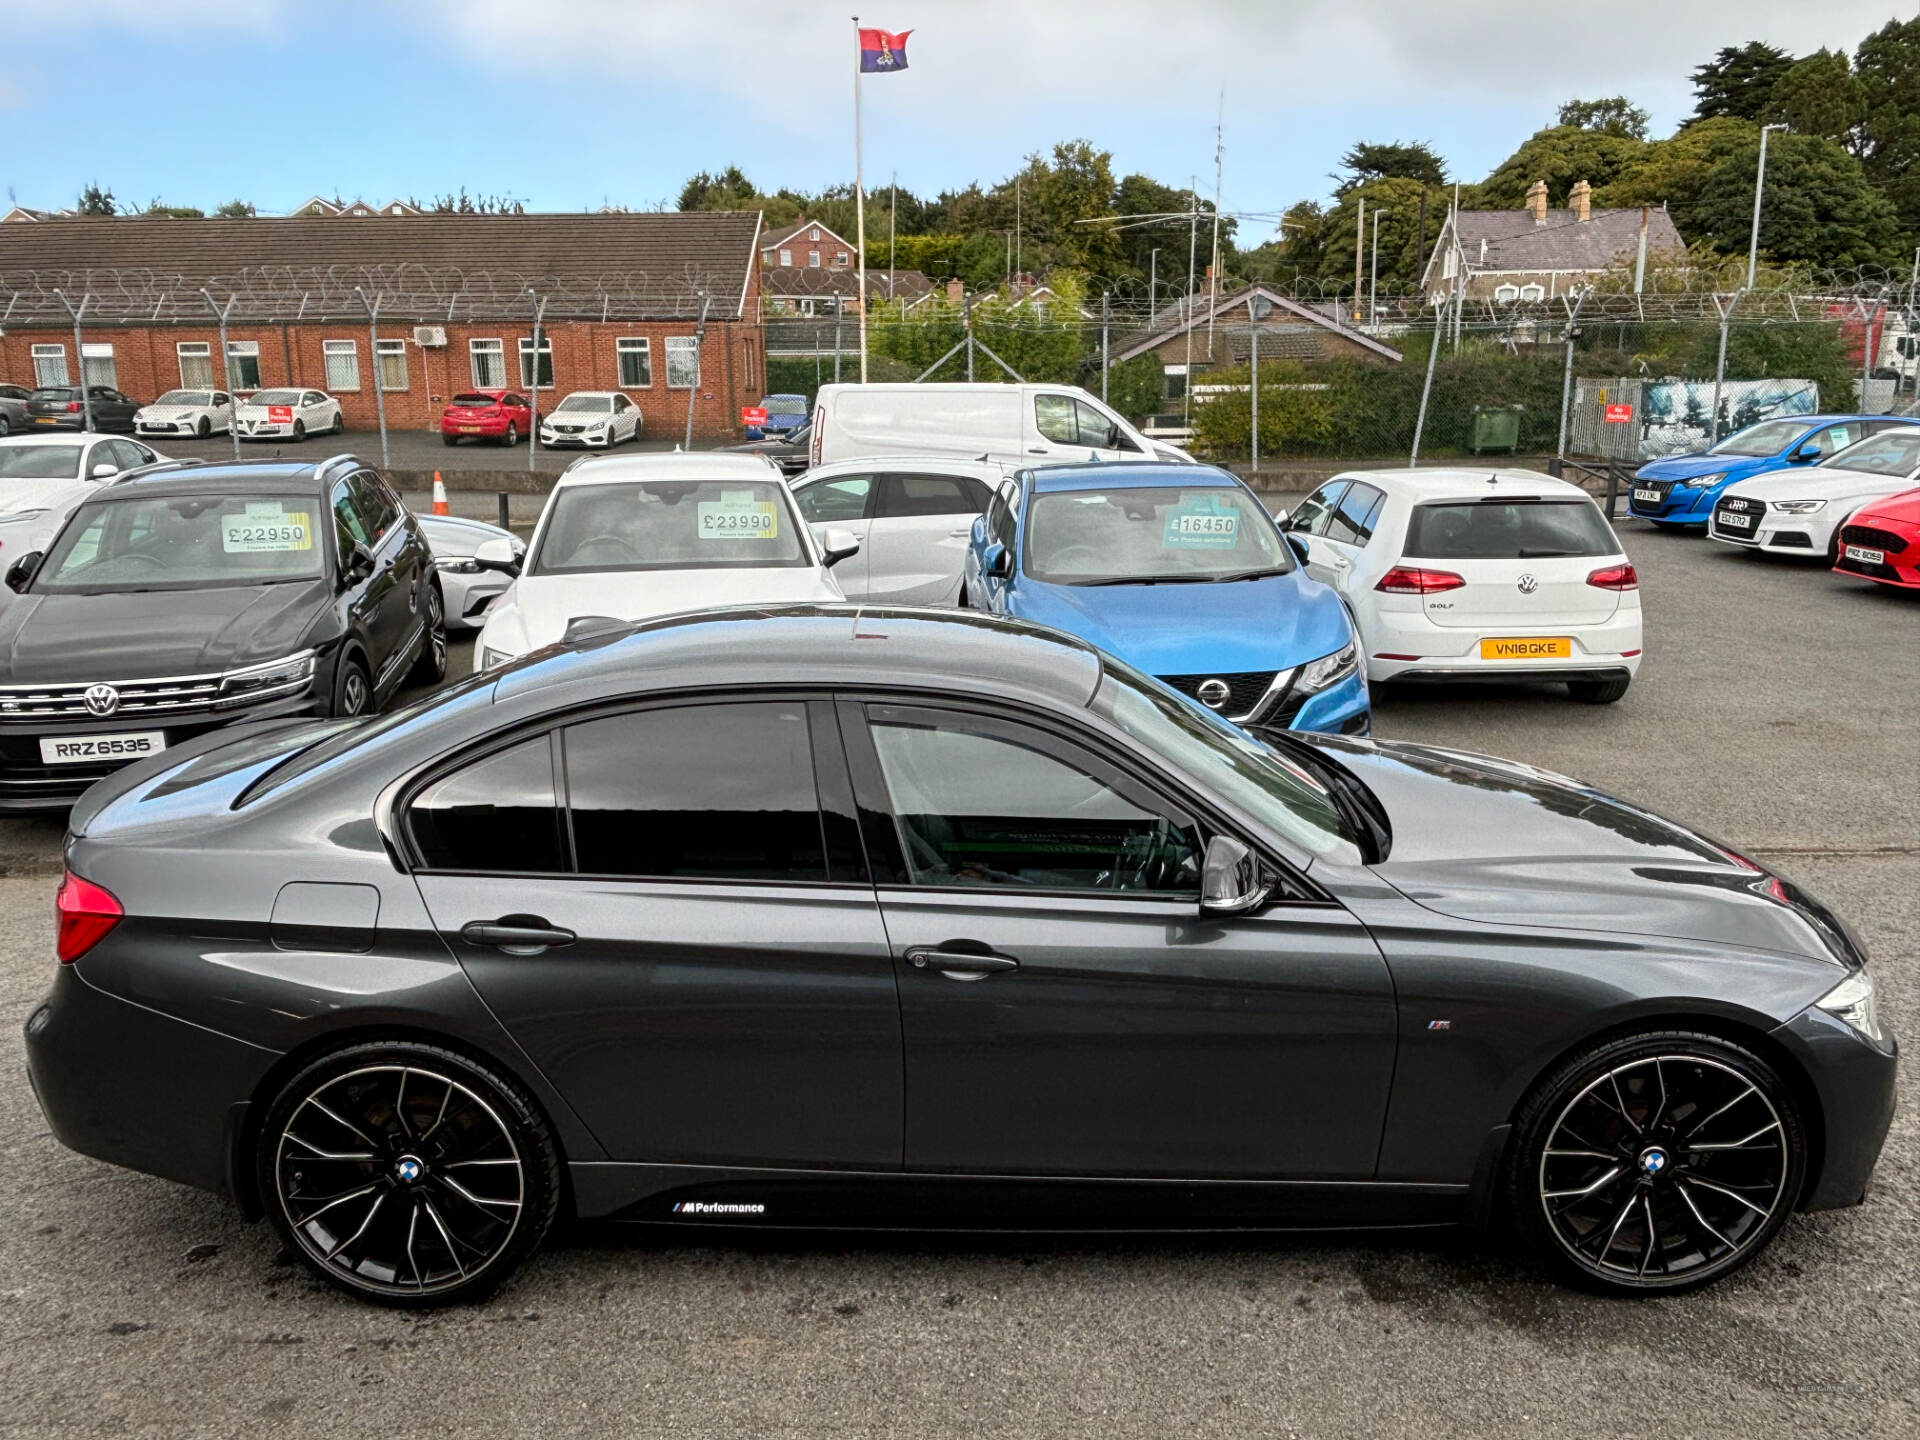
(734, 518)
(1203, 523)
(265, 528)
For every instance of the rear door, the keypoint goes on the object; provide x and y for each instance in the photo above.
(843, 502)
(1349, 528)
(1524, 561)
(1309, 523)
(917, 540)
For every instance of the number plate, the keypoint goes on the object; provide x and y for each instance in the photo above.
(1652, 495)
(1527, 647)
(92, 749)
(1871, 557)
(1728, 520)
(469, 429)
(46, 420)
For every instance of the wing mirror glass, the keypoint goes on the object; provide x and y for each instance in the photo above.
(1232, 881)
(1297, 545)
(997, 563)
(837, 545)
(497, 553)
(20, 574)
(359, 564)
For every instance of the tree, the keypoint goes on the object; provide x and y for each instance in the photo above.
(95, 201)
(1615, 115)
(1887, 67)
(236, 210)
(1819, 96)
(1739, 81)
(1819, 207)
(1561, 155)
(1367, 162)
(729, 190)
(1397, 202)
(160, 209)
(1671, 172)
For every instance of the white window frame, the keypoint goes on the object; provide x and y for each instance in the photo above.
(640, 345)
(1506, 294)
(96, 353)
(786, 258)
(384, 352)
(814, 234)
(840, 259)
(45, 358)
(679, 345)
(333, 351)
(525, 347)
(1533, 292)
(240, 350)
(813, 259)
(496, 351)
(200, 350)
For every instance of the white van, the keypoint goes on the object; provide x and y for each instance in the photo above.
(1015, 424)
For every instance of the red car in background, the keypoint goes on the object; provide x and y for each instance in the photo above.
(1881, 541)
(502, 415)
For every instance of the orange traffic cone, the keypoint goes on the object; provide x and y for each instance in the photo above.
(440, 506)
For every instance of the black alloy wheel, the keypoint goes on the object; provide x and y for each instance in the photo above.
(1657, 1163)
(300, 430)
(431, 667)
(352, 688)
(407, 1174)
(204, 428)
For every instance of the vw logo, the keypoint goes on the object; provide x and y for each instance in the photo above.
(1653, 1160)
(1528, 584)
(101, 700)
(409, 1169)
(1214, 693)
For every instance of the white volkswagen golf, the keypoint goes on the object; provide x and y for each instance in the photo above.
(1799, 511)
(638, 536)
(1501, 575)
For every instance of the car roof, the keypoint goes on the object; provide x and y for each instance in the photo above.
(988, 470)
(850, 644)
(226, 477)
(676, 464)
(1461, 482)
(1131, 475)
(590, 394)
(56, 437)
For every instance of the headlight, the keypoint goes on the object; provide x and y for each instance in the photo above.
(1317, 675)
(1852, 1000)
(490, 657)
(458, 565)
(257, 682)
(1798, 507)
(1704, 482)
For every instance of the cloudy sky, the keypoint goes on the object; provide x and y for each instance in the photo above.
(566, 103)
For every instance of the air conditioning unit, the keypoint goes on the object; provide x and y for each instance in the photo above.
(430, 337)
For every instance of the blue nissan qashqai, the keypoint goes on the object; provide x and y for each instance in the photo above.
(1178, 570)
(1681, 490)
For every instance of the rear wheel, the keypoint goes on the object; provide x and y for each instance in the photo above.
(408, 1175)
(431, 667)
(1655, 1162)
(1598, 692)
(512, 436)
(300, 430)
(6, 425)
(449, 439)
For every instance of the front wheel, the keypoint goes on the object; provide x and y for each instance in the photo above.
(1655, 1162)
(406, 1174)
(449, 440)
(204, 428)
(300, 430)
(1598, 692)
(352, 688)
(431, 667)
(339, 422)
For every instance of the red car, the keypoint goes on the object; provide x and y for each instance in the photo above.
(501, 415)
(1881, 541)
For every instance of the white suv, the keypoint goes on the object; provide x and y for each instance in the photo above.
(1495, 575)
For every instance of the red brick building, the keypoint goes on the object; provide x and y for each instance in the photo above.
(456, 297)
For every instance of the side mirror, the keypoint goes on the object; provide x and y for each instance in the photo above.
(838, 545)
(496, 553)
(1805, 453)
(21, 573)
(1281, 515)
(997, 563)
(359, 564)
(102, 470)
(1231, 882)
(1297, 545)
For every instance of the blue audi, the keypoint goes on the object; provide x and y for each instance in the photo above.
(1680, 490)
(1178, 570)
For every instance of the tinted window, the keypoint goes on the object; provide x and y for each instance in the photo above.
(932, 495)
(842, 498)
(346, 518)
(125, 454)
(1352, 520)
(1000, 523)
(183, 542)
(1508, 530)
(498, 814)
(376, 505)
(709, 792)
(1311, 517)
(984, 804)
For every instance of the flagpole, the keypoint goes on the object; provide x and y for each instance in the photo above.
(859, 201)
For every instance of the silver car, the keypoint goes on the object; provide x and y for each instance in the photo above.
(912, 516)
(13, 408)
(469, 589)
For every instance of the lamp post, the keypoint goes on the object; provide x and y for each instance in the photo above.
(1759, 185)
(1373, 280)
(1153, 287)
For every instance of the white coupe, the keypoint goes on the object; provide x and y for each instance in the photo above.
(634, 537)
(288, 415)
(186, 412)
(1499, 575)
(1799, 511)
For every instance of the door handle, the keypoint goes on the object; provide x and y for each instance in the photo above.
(961, 964)
(516, 934)
(1340, 562)
(963, 531)
(1038, 450)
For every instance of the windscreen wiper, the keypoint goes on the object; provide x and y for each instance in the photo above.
(1260, 574)
(1147, 580)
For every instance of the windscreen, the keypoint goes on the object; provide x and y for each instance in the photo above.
(40, 462)
(669, 525)
(275, 397)
(1110, 537)
(184, 542)
(185, 397)
(784, 404)
(585, 404)
(1508, 530)
(1767, 438)
(1892, 452)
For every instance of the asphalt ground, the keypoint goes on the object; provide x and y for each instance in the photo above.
(1776, 710)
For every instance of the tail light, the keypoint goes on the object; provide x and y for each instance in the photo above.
(1615, 577)
(73, 407)
(1409, 580)
(85, 912)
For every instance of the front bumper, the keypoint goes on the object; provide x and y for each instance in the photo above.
(265, 430)
(556, 441)
(1445, 652)
(173, 427)
(1344, 708)
(1679, 503)
(1853, 1085)
(1805, 535)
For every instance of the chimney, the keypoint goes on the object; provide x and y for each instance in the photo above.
(1581, 201)
(1537, 201)
(956, 291)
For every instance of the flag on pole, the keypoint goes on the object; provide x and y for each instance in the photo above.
(881, 52)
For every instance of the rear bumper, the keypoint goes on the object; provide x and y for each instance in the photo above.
(1453, 653)
(479, 429)
(56, 422)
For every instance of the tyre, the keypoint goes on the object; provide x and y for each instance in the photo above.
(1598, 692)
(1655, 1163)
(431, 667)
(6, 425)
(406, 1174)
(339, 423)
(299, 430)
(449, 440)
(204, 428)
(512, 436)
(352, 687)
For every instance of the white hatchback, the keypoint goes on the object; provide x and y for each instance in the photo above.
(912, 517)
(639, 536)
(1498, 575)
(1799, 512)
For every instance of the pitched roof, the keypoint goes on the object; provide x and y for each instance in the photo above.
(1286, 312)
(787, 233)
(1563, 241)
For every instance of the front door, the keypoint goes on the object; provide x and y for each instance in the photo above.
(843, 502)
(1067, 1009)
(1065, 427)
(918, 538)
(726, 996)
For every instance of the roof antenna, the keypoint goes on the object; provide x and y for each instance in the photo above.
(1493, 477)
(1093, 457)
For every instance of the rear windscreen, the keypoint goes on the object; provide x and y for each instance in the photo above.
(1508, 530)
